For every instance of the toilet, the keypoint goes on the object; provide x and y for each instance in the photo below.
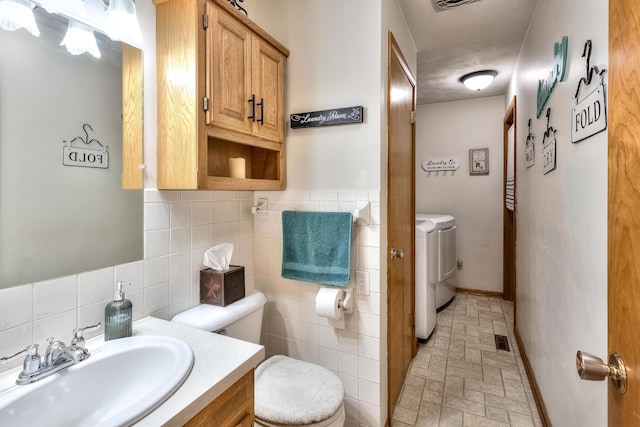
(288, 392)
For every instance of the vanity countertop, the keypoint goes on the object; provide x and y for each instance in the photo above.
(219, 362)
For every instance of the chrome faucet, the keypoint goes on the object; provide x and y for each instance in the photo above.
(57, 356)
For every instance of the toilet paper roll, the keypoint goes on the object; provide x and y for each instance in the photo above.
(327, 303)
(236, 167)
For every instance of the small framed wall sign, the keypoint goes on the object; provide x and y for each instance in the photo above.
(336, 116)
(529, 153)
(479, 161)
(549, 147)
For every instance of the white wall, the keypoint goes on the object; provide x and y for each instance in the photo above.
(291, 326)
(338, 59)
(179, 227)
(562, 219)
(450, 129)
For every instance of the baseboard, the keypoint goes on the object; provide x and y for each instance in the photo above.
(480, 292)
(542, 409)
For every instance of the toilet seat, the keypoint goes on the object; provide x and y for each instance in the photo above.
(337, 420)
(294, 392)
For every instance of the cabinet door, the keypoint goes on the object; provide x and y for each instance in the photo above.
(233, 408)
(228, 62)
(268, 85)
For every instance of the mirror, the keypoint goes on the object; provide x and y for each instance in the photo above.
(58, 219)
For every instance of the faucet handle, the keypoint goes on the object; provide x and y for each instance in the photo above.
(31, 361)
(78, 334)
(30, 350)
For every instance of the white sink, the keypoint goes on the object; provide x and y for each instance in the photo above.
(121, 382)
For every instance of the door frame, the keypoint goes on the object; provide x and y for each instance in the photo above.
(509, 217)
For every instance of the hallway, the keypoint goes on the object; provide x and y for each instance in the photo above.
(458, 378)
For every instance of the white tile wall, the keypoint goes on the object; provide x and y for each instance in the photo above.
(178, 227)
(291, 326)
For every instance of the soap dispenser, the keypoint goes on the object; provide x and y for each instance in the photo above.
(118, 316)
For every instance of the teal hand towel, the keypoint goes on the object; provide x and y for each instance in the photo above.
(316, 246)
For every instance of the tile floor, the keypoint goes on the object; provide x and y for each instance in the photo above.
(458, 378)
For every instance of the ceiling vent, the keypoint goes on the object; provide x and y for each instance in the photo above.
(442, 5)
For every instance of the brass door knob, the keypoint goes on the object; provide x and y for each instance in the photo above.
(592, 368)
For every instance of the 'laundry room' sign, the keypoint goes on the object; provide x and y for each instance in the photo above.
(442, 164)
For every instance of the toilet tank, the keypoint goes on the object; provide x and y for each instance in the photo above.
(241, 320)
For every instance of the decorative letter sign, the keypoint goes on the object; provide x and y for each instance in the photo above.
(529, 153)
(589, 116)
(549, 147)
(85, 157)
(545, 87)
(337, 116)
(443, 164)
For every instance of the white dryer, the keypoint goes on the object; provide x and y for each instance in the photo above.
(445, 256)
(425, 279)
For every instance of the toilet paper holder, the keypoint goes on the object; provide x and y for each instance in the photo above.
(346, 301)
(333, 303)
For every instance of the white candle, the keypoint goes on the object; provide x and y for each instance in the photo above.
(236, 167)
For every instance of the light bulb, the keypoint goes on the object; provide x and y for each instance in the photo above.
(16, 14)
(122, 22)
(80, 39)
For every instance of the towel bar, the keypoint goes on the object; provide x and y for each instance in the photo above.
(361, 215)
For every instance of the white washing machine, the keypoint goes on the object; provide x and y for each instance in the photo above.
(445, 256)
(425, 279)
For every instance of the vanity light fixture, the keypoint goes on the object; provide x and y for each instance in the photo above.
(479, 79)
(80, 39)
(122, 22)
(16, 14)
(57, 6)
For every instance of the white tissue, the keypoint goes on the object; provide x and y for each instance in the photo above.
(218, 257)
(328, 303)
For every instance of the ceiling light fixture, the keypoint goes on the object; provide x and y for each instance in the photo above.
(478, 80)
(80, 39)
(16, 14)
(122, 22)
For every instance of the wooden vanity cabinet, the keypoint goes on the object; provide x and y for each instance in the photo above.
(220, 95)
(233, 408)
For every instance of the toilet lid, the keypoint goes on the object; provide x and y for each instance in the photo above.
(290, 391)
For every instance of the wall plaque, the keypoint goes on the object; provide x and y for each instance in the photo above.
(549, 147)
(479, 161)
(441, 164)
(589, 116)
(336, 116)
(75, 154)
(529, 153)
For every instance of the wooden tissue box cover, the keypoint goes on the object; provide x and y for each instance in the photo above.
(222, 287)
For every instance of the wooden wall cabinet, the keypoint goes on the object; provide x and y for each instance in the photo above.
(233, 408)
(220, 95)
